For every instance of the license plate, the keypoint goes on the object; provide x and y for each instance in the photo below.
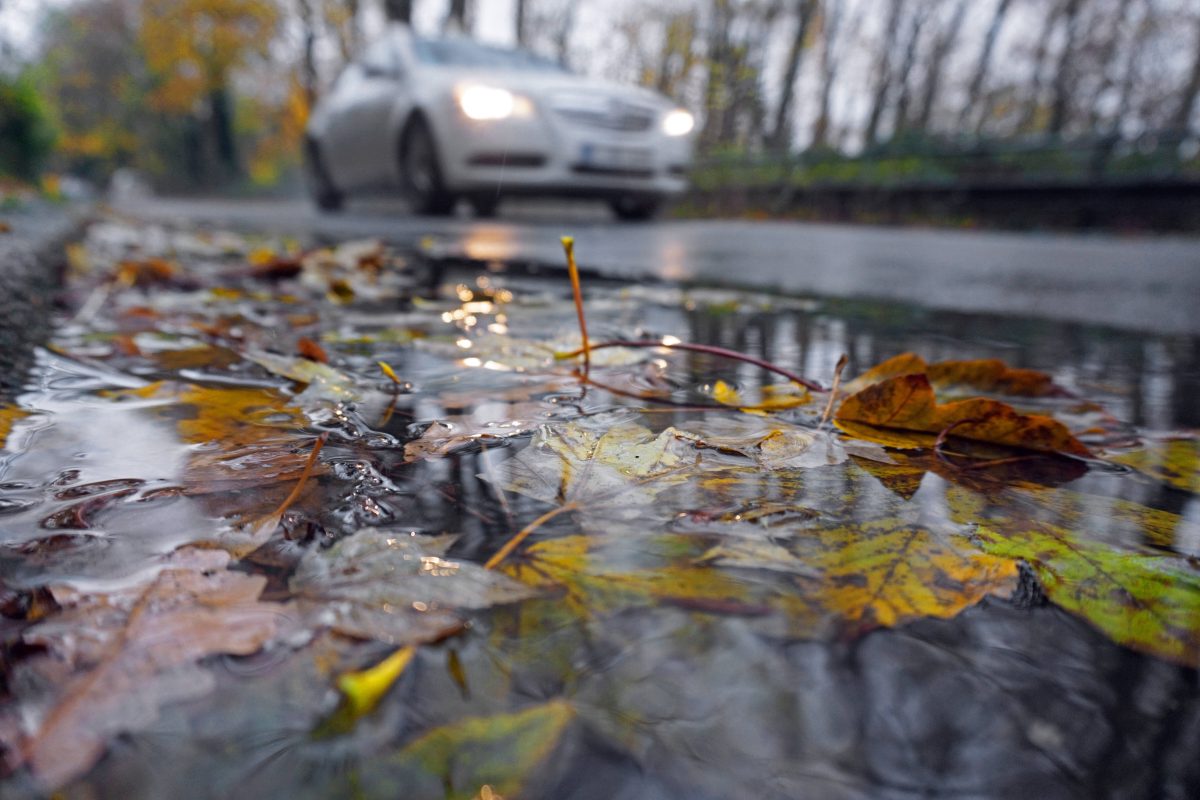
(604, 156)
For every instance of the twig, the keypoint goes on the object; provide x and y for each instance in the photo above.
(523, 534)
(304, 476)
(837, 382)
(708, 349)
(568, 243)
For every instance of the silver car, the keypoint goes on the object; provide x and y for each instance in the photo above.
(450, 118)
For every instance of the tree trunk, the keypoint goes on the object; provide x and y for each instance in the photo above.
(781, 131)
(1064, 72)
(920, 17)
(221, 117)
(308, 70)
(1122, 27)
(1039, 73)
(975, 100)
(398, 10)
(1187, 98)
(677, 56)
(937, 66)
(883, 72)
(519, 23)
(829, 68)
(562, 36)
(717, 89)
(456, 18)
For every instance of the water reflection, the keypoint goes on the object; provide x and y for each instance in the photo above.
(748, 693)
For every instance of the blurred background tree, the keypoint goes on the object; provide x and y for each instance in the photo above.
(26, 131)
(203, 94)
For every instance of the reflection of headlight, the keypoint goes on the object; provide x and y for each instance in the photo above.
(678, 123)
(489, 102)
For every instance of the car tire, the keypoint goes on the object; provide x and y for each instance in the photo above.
(420, 172)
(485, 205)
(324, 194)
(634, 208)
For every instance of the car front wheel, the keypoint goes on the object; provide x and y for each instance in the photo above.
(633, 208)
(420, 174)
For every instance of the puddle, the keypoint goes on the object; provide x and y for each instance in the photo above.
(702, 616)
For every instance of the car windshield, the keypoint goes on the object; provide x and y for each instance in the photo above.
(466, 53)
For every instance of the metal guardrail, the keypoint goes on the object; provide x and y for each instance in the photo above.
(1161, 155)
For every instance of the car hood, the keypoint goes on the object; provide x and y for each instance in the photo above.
(552, 87)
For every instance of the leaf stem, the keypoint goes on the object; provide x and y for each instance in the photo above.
(523, 534)
(568, 243)
(304, 476)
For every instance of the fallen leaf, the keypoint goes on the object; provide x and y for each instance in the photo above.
(851, 578)
(572, 464)
(324, 382)
(986, 375)
(153, 643)
(245, 435)
(906, 403)
(1149, 602)
(364, 689)
(991, 376)
(9, 415)
(776, 445)
(146, 272)
(489, 422)
(758, 554)
(883, 572)
(307, 348)
(396, 588)
(611, 573)
(1174, 461)
(491, 757)
(772, 397)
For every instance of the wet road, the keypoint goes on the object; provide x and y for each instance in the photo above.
(1149, 284)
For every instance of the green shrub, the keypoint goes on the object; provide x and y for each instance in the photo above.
(26, 133)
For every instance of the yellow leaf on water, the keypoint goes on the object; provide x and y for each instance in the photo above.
(365, 688)
(773, 397)
(1150, 602)
(8, 417)
(1173, 461)
(497, 756)
(848, 578)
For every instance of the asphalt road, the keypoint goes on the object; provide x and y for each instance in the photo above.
(1140, 283)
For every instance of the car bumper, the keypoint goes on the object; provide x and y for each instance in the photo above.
(547, 155)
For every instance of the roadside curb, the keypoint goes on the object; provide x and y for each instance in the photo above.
(32, 258)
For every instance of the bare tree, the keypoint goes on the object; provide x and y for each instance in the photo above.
(975, 102)
(781, 131)
(905, 79)
(457, 17)
(1041, 55)
(1182, 118)
(1064, 72)
(398, 10)
(520, 8)
(831, 21)
(884, 73)
(937, 65)
(677, 55)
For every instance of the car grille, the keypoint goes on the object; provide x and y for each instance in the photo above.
(617, 117)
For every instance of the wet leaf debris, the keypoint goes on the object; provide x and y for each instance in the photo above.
(248, 470)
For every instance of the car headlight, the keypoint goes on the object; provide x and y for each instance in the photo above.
(491, 103)
(678, 123)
